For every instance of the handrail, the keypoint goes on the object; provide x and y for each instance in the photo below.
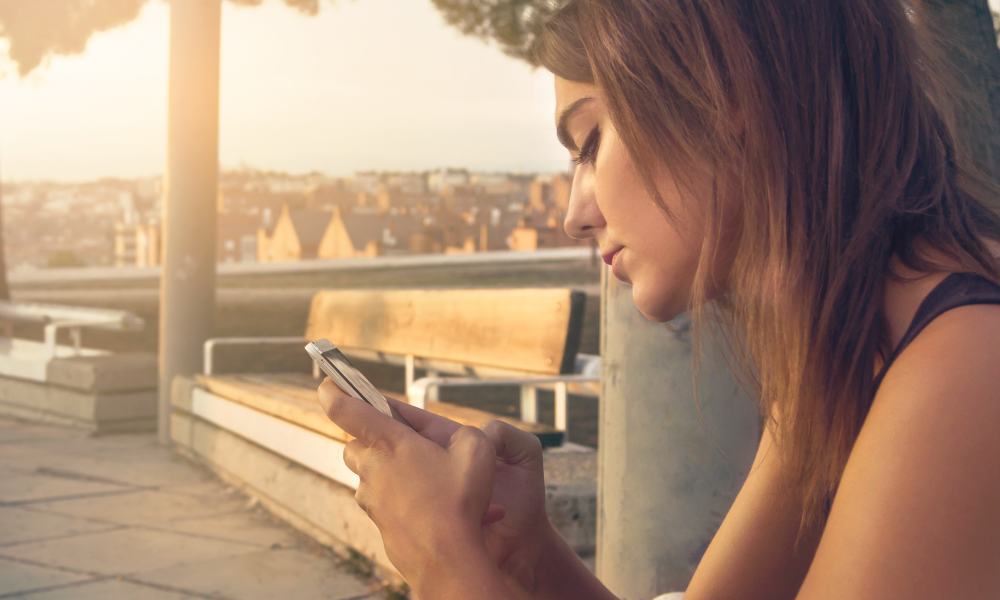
(80, 316)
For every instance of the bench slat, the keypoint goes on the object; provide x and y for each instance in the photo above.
(292, 397)
(534, 330)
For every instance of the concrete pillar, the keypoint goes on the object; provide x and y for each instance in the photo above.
(663, 484)
(187, 287)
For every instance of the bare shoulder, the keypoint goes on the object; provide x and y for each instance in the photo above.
(916, 514)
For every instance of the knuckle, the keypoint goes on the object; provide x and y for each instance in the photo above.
(493, 428)
(475, 439)
(382, 447)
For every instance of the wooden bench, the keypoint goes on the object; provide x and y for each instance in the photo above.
(71, 384)
(523, 337)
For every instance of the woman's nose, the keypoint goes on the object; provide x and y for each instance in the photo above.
(583, 217)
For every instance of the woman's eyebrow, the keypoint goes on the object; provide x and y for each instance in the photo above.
(564, 137)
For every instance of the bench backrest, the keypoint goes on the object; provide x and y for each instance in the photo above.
(533, 330)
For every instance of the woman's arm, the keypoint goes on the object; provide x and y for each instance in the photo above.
(917, 513)
(754, 555)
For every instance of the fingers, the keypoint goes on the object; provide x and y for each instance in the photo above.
(436, 428)
(512, 445)
(358, 418)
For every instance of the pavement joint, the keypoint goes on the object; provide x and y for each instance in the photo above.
(67, 497)
(202, 536)
(35, 563)
(53, 588)
(65, 474)
(113, 527)
(176, 590)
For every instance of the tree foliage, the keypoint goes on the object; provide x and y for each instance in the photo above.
(37, 29)
(512, 24)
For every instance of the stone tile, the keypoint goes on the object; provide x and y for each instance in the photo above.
(124, 551)
(146, 507)
(18, 525)
(143, 465)
(257, 529)
(23, 487)
(109, 589)
(17, 433)
(265, 575)
(17, 577)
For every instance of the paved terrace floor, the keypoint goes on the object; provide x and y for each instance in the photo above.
(120, 517)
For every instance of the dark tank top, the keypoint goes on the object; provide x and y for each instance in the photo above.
(957, 289)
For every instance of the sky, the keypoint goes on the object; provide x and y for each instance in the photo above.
(366, 84)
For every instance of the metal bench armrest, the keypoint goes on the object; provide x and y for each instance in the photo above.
(419, 389)
(52, 329)
(211, 343)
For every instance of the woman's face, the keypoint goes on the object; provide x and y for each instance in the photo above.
(609, 203)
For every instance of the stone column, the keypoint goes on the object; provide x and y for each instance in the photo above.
(666, 478)
(187, 286)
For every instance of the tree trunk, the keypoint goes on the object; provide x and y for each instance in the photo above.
(965, 28)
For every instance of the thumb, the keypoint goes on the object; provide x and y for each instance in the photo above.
(513, 446)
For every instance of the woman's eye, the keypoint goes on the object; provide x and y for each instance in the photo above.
(588, 153)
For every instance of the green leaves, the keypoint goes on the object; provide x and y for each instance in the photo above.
(38, 28)
(512, 24)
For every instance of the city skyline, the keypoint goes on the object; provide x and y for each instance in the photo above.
(371, 84)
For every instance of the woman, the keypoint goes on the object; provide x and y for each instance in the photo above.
(794, 160)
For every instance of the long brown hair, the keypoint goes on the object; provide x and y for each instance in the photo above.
(842, 153)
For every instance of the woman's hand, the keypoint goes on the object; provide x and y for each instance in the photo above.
(455, 505)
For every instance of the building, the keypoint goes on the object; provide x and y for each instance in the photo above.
(438, 180)
(147, 245)
(367, 233)
(495, 184)
(236, 237)
(297, 235)
(367, 182)
(414, 184)
(124, 244)
(553, 235)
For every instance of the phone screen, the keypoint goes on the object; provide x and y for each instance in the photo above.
(347, 377)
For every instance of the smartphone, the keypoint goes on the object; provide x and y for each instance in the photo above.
(349, 379)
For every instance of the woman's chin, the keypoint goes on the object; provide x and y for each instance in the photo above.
(656, 305)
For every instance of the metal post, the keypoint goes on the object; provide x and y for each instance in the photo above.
(529, 403)
(187, 287)
(560, 405)
(663, 485)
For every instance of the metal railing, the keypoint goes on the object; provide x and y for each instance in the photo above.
(74, 318)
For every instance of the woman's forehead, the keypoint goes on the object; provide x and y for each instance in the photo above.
(569, 92)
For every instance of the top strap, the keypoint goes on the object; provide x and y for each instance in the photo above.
(957, 289)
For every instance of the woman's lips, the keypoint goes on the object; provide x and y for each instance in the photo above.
(609, 257)
(614, 259)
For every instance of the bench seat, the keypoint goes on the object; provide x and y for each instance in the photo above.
(292, 397)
